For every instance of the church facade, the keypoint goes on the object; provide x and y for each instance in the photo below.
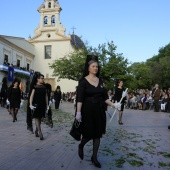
(48, 44)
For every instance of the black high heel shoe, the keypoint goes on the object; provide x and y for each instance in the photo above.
(41, 136)
(120, 123)
(80, 152)
(36, 133)
(96, 162)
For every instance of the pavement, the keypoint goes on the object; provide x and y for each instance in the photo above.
(141, 143)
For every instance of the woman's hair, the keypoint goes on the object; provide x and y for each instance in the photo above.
(89, 60)
(14, 81)
(58, 87)
(48, 89)
(40, 75)
(34, 82)
(4, 81)
(118, 82)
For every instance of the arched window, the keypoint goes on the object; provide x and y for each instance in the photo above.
(45, 20)
(49, 5)
(53, 20)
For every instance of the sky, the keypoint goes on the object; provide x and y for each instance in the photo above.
(139, 28)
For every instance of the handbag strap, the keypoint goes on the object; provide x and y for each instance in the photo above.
(76, 123)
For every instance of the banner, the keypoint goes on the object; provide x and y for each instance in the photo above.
(31, 75)
(10, 74)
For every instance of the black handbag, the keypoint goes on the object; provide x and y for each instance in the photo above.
(75, 131)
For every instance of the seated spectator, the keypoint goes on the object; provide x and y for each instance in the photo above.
(138, 102)
(145, 102)
(168, 105)
(133, 101)
(168, 91)
(164, 103)
(129, 96)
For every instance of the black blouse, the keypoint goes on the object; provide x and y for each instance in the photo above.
(118, 94)
(88, 92)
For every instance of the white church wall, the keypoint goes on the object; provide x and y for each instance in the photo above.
(59, 50)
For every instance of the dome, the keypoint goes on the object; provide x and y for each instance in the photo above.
(76, 41)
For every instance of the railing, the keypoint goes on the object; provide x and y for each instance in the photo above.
(16, 69)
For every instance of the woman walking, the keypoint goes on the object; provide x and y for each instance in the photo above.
(119, 92)
(91, 96)
(29, 112)
(14, 98)
(38, 103)
(4, 92)
(57, 97)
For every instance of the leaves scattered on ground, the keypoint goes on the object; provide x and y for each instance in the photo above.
(134, 149)
(119, 162)
(163, 164)
(120, 146)
(62, 118)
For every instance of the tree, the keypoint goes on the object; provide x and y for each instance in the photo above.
(160, 67)
(141, 75)
(113, 65)
(70, 66)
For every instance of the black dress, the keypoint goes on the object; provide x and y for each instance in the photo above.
(93, 111)
(3, 94)
(118, 96)
(14, 97)
(57, 98)
(39, 101)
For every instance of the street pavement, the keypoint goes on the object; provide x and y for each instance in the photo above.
(141, 143)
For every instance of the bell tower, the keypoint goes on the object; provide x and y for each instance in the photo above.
(50, 43)
(49, 18)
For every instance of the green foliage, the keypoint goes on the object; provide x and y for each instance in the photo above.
(113, 65)
(140, 73)
(70, 66)
(160, 67)
(154, 70)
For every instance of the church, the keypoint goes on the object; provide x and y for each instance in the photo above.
(48, 44)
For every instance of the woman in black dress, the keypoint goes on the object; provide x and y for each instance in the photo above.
(4, 92)
(38, 104)
(29, 112)
(57, 97)
(119, 92)
(91, 96)
(14, 98)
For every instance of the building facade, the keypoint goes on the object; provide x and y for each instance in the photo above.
(17, 53)
(48, 44)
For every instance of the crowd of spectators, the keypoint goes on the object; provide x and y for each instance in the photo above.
(6, 63)
(69, 96)
(142, 99)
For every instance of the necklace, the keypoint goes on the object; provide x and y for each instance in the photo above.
(94, 80)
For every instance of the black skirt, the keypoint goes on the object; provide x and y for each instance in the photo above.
(93, 120)
(15, 104)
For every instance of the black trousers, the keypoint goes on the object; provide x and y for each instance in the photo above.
(156, 105)
(57, 103)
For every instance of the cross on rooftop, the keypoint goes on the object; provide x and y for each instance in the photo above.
(73, 29)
